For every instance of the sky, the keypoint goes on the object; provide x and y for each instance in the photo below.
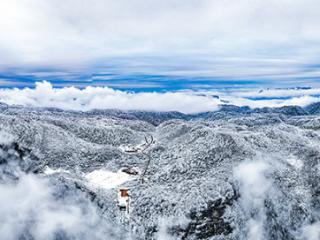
(154, 45)
(176, 55)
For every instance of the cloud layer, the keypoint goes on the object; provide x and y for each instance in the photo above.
(43, 208)
(246, 39)
(71, 98)
(29, 207)
(254, 187)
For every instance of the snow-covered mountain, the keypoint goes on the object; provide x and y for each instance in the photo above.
(237, 173)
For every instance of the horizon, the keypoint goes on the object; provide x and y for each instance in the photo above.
(44, 94)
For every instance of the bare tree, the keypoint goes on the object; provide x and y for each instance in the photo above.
(147, 144)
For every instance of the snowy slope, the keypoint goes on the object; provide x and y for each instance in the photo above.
(237, 173)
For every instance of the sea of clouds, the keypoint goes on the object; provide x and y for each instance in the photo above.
(72, 98)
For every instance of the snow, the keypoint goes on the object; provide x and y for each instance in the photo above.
(129, 149)
(192, 164)
(122, 201)
(106, 179)
(296, 163)
(50, 171)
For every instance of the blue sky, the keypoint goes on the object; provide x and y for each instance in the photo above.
(153, 45)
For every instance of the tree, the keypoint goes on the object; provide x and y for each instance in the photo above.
(144, 152)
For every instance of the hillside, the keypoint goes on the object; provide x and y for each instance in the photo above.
(237, 173)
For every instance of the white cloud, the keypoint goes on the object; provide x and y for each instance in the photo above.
(71, 98)
(294, 101)
(33, 207)
(29, 206)
(274, 93)
(254, 187)
(221, 38)
(44, 95)
(312, 231)
(6, 138)
(254, 183)
(258, 98)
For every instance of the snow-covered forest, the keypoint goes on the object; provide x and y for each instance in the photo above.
(236, 173)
